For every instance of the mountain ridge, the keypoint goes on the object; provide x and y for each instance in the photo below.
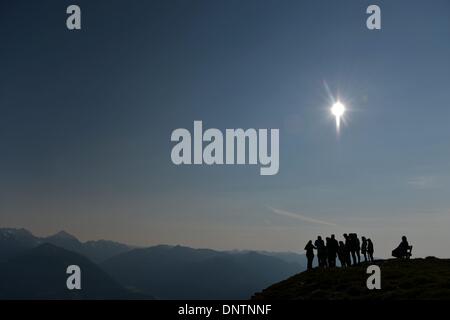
(68, 241)
(14, 240)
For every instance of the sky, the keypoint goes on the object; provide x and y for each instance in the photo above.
(86, 118)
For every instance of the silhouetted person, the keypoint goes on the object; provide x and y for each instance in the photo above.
(352, 247)
(357, 247)
(332, 249)
(370, 249)
(347, 250)
(321, 252)
(310, 253)
(402, 251)
(364, 248)
(328, 250)
(342, 254)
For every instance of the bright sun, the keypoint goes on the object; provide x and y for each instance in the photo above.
(338, 110)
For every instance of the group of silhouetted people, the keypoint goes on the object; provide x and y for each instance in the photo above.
(348, 251)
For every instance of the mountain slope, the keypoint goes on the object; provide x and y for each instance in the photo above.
(400, 280)
(40, 273)
(64, 240)
(185, 273)
(14, 242)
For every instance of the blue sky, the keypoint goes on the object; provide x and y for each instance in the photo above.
(86, 118)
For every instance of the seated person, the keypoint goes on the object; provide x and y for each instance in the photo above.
(402, 251)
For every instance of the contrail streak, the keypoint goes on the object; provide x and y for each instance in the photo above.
(301, 217)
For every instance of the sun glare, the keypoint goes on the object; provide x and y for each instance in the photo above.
(338, 110)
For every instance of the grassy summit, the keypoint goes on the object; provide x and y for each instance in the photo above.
(427, 278)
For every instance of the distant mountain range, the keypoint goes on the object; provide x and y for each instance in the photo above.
(34, 268)
(13, 241)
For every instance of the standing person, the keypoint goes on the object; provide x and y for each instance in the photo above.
(332, 249)
(328, 250)
(352, 247)
(342, 255)
(310, 253)
(325, 253)
(357, 248)
(321, 251)
(364, 248)
(370, 249)
(347, 250)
